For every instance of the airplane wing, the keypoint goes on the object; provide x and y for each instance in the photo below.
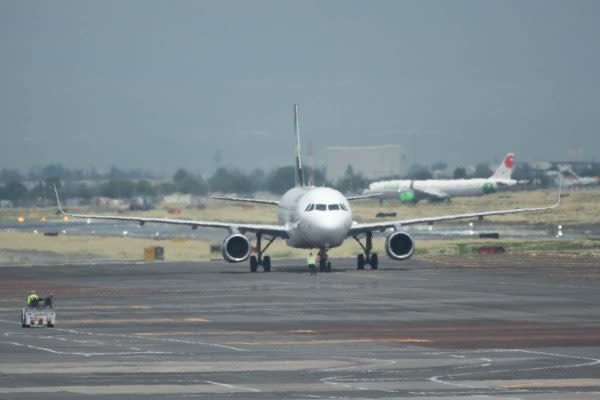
(432, 193)
(274, 230)
(245, 200)
(380, 226)
(363, 196)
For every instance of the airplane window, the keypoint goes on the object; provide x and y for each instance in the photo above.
(343, 207)
(334, 207)
(321, 207)
(310, 207)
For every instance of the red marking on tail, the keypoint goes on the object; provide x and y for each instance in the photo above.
(508, 161)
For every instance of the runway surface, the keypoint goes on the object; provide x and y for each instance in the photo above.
(498, 328)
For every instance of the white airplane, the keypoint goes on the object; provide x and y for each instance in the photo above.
(571, 179)
(411, 190)
(310, 218)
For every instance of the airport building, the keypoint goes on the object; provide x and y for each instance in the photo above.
(371, 161)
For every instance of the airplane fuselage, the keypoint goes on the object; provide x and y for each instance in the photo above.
(318, 217)
(445, 188)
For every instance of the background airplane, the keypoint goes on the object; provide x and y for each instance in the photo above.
(571, 179)
(309, 218)
(412, 190)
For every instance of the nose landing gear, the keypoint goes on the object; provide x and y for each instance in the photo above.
(258, 259)
(367, 257)
(324, 263)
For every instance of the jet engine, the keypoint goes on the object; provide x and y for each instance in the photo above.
(399, 246)
(236, 248)
(407, 197)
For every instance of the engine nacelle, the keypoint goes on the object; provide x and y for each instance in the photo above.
(399, 246)
(236, 248)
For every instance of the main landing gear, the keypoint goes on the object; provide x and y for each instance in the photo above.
(324, 263)
(258, 259)
(367, 257)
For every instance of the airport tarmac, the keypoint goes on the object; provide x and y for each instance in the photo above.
(450, 230)
(501, 327)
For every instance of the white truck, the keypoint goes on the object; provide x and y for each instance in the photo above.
(40, 315)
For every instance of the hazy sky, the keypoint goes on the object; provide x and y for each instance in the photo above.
(158, 85)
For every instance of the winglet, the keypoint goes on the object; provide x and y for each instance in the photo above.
(60, 209)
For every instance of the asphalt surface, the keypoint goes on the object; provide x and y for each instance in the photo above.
(500, 328)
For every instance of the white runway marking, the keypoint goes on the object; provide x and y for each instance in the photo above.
(137, 337)
(232, 386)
(442, 379)
(141, 337)
(49, 350)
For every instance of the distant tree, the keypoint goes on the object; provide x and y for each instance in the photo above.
(231, 181)
(319, 177)
(351, 182)
(180, 175)
(523, 172)
(460, 173)
(93, 174)
(55, 171)
(546, 180)
(49, 184)
(439, 166)
(10, 175)
(144, 188)
(82, 191)
(14, 191)
(166, 188)
(482, 170)
(259, 178)
(45, 189)
(591, 170)
(188, 183)
(422, 174)
(419, 172)
(280, 180)
(115, 174)
(117, 189)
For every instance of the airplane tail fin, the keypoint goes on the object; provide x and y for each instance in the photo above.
(505, 169)
(299, 175)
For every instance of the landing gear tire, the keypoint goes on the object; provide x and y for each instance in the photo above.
(328, 266)
(253, 264)
(49, 325)
(266, 263)
(322, 266)
(360, 261)
(374, 261)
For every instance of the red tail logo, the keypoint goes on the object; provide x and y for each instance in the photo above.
(508, 161)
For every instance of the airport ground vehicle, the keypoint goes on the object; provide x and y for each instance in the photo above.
(40, 315)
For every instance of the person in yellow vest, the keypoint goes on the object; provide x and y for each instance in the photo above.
(32, 299)
(312, 263)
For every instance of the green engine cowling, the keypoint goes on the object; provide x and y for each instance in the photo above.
(488, 188)
(407, 197)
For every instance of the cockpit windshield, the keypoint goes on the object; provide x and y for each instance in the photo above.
(325, 207)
